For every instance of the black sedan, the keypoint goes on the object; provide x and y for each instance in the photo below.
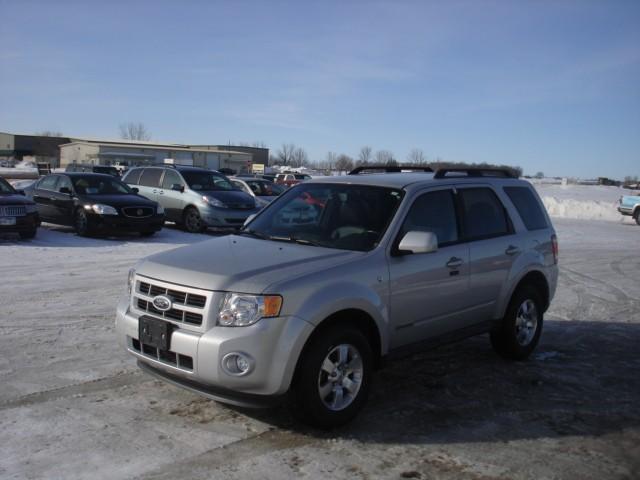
(17, 213)
(96, 203)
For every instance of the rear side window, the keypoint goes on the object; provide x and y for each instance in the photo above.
(150, 177)
(484, 214)
(132, 176)
(528, 207)
(171, 178)
(433, 212)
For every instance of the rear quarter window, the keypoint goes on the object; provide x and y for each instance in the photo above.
(150, 177)
(132, 176)
(528, 207)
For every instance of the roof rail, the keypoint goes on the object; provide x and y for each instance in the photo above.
(476, 172)
(389, 168)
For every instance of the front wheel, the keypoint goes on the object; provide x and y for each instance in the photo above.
(147, 233)
(637, 216)
(193, 221)
(81, 223)
(333, 377)
(28, 234)
(519, 332)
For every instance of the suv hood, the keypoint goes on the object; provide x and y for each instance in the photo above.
(240, 264)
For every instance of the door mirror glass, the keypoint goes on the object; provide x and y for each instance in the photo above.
(418, 242)
(177, 187)
(65, 190)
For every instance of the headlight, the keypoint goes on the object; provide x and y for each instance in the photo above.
(102, 209)
(130, 280)
(238, 310)
(214, 202)
(160, 210)
(31, 208)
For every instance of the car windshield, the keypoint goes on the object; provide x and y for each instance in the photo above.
(99, 185)
(347, 217)
(264, 189)
(204, 181)
(5, 187)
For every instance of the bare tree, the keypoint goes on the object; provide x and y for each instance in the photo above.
(331, 160)
(417, 156)
(50, 133)
(259, 144)
(134, 131)
(385, 157)
(299, 157)
(344, 163)
(285, 154)
(365, 155)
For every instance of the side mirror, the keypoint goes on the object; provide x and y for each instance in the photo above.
(418, 242)
(65, 190)
(177, 187)
(135, 189)
(21, 192)
(249, 219)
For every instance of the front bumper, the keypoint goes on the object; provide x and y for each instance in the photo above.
(225, 217)
(194, 360)
(625, 211)
(119, 223)
(24, 223)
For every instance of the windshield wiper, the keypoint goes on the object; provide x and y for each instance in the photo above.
(292, 239)
(253, 233)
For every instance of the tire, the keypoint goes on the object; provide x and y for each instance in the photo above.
(519, 331)
(81, 223)
(28, 234)
(637, 216)
(149, 233)
(326, 399)
(192, 221)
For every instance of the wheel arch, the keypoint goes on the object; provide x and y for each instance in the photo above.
(539, 281)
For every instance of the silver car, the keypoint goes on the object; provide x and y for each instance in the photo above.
(195, 198)
(264, 191)
(338, 273)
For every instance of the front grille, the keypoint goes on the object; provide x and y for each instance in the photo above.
(184, 362)
(13, 211)
(138, 212)
(187, 306)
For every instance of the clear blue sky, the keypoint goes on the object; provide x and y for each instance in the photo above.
(551, 86)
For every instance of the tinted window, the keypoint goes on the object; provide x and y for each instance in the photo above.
(484, 215)
(5, 187)
(64, 182)
(171, 178)
(99, 185)
(203, 181)
(434, 212)
(528, 207)
(132, 176)
(150, 177)
(48, 183)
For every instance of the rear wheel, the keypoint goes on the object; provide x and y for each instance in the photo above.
(637, 216)
(519, 332)
(28, 234)
(81, 223)
(333, 377)
(193, 221)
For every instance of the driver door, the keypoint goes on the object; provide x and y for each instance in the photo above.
(428, 291)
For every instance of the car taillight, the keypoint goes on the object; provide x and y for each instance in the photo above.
(554, 248)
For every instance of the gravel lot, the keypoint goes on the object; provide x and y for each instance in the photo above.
(73, 405)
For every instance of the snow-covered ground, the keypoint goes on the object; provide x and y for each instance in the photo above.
(73, 405)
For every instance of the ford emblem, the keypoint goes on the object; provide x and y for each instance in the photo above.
(162, 303)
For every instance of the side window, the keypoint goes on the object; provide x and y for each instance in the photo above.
(434, 212)
(132, 177)
(528, 207)
(150, 177)
(48, 183)
(64, 182)
(171, 178)
(484, 214)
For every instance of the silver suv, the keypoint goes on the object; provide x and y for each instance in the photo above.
(336, 274)
(195, 198)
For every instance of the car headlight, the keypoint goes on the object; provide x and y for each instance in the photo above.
(239, 310)
(214, 202)
(130, 280)
(102, 209)
(31, 208)
(160, 210)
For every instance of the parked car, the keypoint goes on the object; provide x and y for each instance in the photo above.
(195, 198)
(88, 168)
(290, 179)
(630, 205)
(263, 191)
(18, 214)
(305, 304)
(96, 203)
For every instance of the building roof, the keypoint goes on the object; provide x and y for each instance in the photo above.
(151, 146)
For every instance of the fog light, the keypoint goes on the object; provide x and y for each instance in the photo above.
(237, 364)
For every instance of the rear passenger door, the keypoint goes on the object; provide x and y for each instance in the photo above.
(493, 246)
(44, 196)
(149, 183)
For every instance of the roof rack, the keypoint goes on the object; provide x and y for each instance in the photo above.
(476, 172)
(389, 169)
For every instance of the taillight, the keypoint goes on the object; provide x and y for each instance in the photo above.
(554, 248)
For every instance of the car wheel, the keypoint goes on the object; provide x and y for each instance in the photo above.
(81, 223)
(519, 332)
(193, 221)
(28, 234)
(332, 379)
(148, 233)
(637, 216)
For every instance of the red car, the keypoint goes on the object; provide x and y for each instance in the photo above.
(289, 179)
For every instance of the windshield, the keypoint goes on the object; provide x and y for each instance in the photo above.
(99, 186)
(5, 187)
(347, 217)
(264, 189)
(203, 181)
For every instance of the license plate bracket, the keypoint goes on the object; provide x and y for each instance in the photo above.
(155, 333)
(7, 220)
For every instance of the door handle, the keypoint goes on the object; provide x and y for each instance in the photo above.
(155, 191)
(454, 263)
(512, 250)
